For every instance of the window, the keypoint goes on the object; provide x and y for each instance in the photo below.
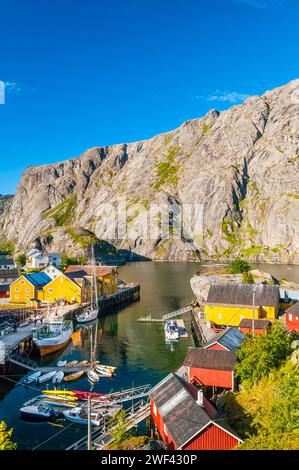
(155, 409)
(290, 317)
(27, 290)
(165, 430)
(220, 316)
(22, 282)
(27, 296)
(17, 296)
(106, 290)
(50, 291)
(17, 289)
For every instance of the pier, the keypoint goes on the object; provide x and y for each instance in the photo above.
(167, 316)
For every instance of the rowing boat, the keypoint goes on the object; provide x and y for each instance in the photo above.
(74, 376)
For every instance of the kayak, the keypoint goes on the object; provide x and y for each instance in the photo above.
(74, 376)
(86, 395)
(102, 371)
(59, 392)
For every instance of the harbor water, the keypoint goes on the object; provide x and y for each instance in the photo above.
(139, 351)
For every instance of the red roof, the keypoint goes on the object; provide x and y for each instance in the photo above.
(98, 270)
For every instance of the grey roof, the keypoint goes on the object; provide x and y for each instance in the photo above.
(294, 309)
(258, 324)
(214, 359)
(242, 294)
(181, 414)
(230, 338)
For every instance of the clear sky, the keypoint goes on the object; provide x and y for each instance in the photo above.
(83, 73)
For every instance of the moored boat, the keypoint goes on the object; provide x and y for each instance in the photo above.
(92, 376)
(74, 376)
(61, 363)
(79, 416)
(58, 377)
(46, 377)
(33, 377)
(72, 363)
(171, 330)
(38, 412)
(53, 335)
(103, 371)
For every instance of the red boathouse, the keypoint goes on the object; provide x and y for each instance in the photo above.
(185, 419)
(292, 317)
(260, 326)
(229, 339)
(211, 367)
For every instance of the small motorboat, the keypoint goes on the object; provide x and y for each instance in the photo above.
(38, 413)
(88, 316)
(103, 371)
(32, 377)
(58, 377)
(46, 377)
(172, 331)
(72, 363)
(92, 376)
(79, 416)
(61, 363)
(74, 376)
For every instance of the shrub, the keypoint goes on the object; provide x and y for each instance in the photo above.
(239, 266)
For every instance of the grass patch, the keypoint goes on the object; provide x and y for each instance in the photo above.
(167, 171)
(63, 213)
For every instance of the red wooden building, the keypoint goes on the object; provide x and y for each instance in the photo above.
(292, 317)
(260, 326)
(211, 367)
(229, 339)
(185, 420)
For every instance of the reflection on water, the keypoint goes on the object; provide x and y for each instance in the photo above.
(138, 350)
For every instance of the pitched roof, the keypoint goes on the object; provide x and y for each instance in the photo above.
(99, 270)
(76, 276)
(9, 273)
(210, 359)
(258, 324)
(294, 309)
(7, 260)
(181, 414)
(230, 338)
(38, 279)
(183, 417)
(242, 294)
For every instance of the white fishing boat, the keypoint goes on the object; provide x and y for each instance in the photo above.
(58, 377)
(91, 312)
(103, 371)
(38, 413)
(171, 331)
(92, 376)
(79, 416)
(33, 377)
(53, 335)
(46, 377)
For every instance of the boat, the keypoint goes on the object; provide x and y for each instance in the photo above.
(82, 363)
(74, 376)
(61, 363)
(53, 335)
(72, 363)
(79, 416)
(91, 312)
(46, 377)
(58, 377)
(92, 376)
(85, 395)
(33, 377)
(171, 330)
(38, 412)
(102, 371)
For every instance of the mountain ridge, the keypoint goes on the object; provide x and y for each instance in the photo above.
(239, 164)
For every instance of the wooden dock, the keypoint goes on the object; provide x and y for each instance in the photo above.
(167, 316)
(182, 329)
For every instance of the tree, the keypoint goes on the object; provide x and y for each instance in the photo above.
(260, 354)
(5, 438)
(21, 260)
(7, 248)
(248, 278)
(118, 426)
(239, 266)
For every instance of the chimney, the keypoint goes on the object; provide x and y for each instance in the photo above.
(200, 397)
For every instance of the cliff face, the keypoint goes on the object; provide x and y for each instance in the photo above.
(240, 165)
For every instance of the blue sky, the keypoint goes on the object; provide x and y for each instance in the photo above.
(83, 73)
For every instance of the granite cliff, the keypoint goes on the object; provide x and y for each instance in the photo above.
(240, 165)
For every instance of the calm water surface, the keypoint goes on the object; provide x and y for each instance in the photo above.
(138, 350)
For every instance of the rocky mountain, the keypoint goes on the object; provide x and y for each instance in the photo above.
(240, 167)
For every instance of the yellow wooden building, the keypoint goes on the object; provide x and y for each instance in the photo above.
(67, 287)
(107, 277)
(29, 287)
(228, 304)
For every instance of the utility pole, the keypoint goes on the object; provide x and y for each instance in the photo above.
(89, 424)
(253, 308)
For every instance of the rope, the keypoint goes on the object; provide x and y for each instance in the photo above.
(52, 437)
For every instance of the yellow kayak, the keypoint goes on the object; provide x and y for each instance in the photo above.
(74, 376)
(64, 393)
